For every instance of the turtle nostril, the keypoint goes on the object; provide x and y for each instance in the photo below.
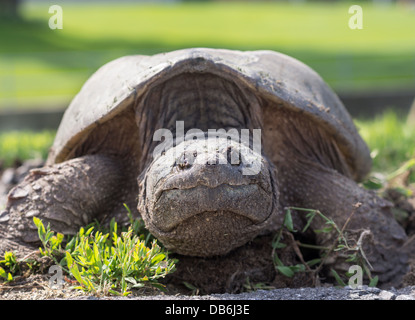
(183, 164)
(213, 161)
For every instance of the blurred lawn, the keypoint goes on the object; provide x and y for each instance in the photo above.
(22, 145)
(390, 139)
(40, 67)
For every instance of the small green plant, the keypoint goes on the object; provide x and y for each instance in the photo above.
(138, 228)
(288, 271)
(354, 254)
(52, 244)
(5, 275)
(11, 265)
(108, 262)
(124, 265)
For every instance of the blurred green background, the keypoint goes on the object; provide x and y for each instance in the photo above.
(40, 67)
(43, 69)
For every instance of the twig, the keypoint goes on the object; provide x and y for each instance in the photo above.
(29, 286)
(28, 255)
(359, 246)
(355, 207)
(311, 246)
(297, 249)
(300, 256)
(340, 238)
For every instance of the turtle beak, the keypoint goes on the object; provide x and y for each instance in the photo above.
(206, 205)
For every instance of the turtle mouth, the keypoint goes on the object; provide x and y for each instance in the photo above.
(175, 206)
(210, 233)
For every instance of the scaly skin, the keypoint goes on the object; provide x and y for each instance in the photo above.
(67, 195)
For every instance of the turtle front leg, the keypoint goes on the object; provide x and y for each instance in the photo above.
(348, 205)
(66, 195)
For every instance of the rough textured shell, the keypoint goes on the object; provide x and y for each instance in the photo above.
(273, 75)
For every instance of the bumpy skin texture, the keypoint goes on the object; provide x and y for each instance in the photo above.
(191, 197)
(68, 195)
(104, 155)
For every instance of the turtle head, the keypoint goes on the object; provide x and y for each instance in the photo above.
(207, 197)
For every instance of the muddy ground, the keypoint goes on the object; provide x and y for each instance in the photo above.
(240, 275)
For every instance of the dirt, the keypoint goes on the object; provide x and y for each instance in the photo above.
(37, 288)
(240, 273)
(245, 268)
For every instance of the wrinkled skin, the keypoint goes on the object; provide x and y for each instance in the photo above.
(206, 206)
(196, 196)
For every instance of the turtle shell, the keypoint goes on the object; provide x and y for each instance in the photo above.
(118, 85)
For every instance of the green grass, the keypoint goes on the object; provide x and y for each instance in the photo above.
(103, 260)
(391, 140)
(108, 261)
(22, 145)
(43, 67)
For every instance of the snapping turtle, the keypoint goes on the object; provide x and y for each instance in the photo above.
(210, 146)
